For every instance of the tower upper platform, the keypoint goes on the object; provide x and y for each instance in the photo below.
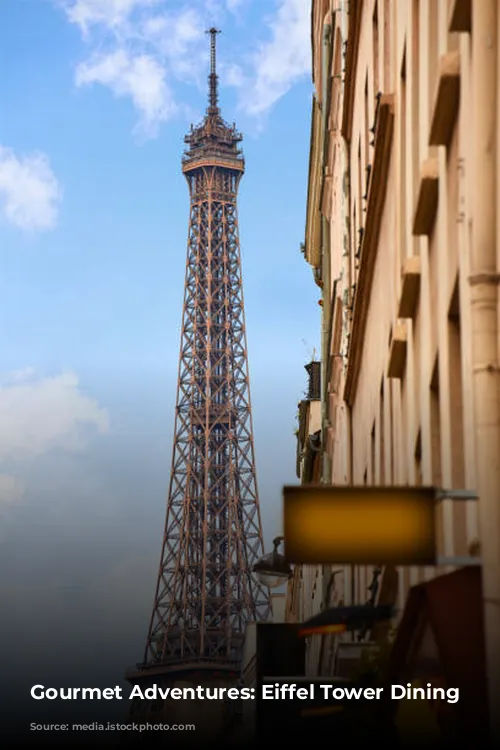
(213, 142)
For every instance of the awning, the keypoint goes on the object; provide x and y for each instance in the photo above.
(340, 619)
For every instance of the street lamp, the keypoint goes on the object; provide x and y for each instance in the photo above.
(272, 569)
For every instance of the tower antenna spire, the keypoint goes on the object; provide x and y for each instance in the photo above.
(213, 79)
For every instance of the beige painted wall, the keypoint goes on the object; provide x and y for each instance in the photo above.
(424, 428)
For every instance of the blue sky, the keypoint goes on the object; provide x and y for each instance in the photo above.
(96, 96)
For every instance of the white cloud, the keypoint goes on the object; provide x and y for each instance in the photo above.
(174, 32)
(175, 38)
(142, 78)
(232, 75)
(11, 490)
(112, 13)
(234, 5)
(38, 415)
(29, 191)
(283, 60)
(141, 49)
(19, 375)
(146, 49)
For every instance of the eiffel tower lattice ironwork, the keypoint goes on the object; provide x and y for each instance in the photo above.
(206, 592)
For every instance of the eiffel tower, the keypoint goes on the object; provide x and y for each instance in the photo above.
(206, 593)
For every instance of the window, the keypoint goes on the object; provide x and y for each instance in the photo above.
(390, 434)
(413, 124)
(402, 166)
(418, 460)
(435, 427)
(376, 61)
(381, 421)
(366, 135)
(432, 62)
(436, 451)
(455, 389)
(373, 457)
(387, 44)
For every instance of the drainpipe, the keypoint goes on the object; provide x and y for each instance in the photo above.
(349, 571)
(346, 272)
(325, 248)
(346, 241)
(484, 279)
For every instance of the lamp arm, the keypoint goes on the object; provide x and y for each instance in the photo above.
(277, 541)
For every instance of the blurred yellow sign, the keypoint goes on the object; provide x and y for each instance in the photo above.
(360, 525)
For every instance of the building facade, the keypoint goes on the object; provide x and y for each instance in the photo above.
(402, 238)
(305, 588)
